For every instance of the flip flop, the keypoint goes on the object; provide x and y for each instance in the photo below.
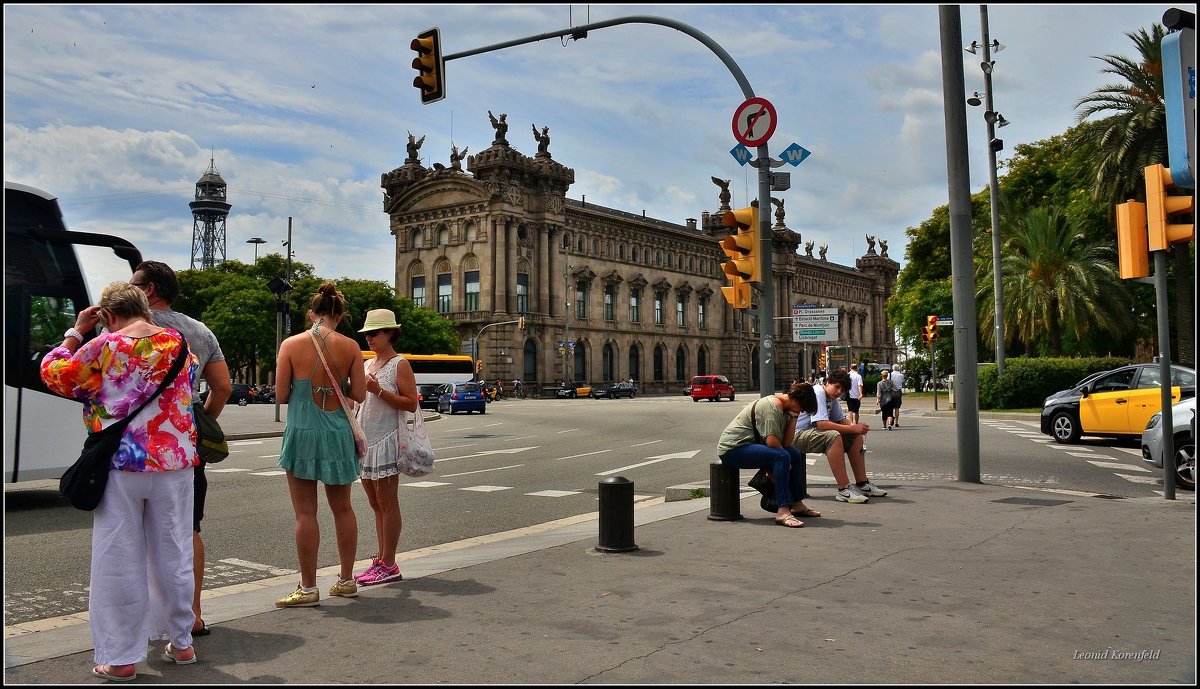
(202, 631)
(790, 521)
(806, 512)
(99, 671)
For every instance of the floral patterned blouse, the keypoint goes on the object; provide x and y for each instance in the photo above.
(112, 375)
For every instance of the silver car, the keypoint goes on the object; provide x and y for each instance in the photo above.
(1183, 417)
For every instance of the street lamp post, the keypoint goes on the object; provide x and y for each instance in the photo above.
(256, 241)
(993, 119)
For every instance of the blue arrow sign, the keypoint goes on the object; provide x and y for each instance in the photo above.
(741, 154)
(794, 154)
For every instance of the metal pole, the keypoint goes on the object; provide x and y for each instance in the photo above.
(1167, 422)
(766, 305)
(278, 342)
(288, 275)
(990, 117)
(961, 264)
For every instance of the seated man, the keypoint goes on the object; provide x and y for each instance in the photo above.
(828, 431)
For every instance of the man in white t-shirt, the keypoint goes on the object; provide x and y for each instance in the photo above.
(898, 380)
(854, 401)
(830, 417)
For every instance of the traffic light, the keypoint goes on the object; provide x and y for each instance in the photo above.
(1159, 208)
(1132, 240)
(738, 295)
(821, 361)
(931, 328)
(521, 323)
(742, 247)
(925, 336)
(431, 70)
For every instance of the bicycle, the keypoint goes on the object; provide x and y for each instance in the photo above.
(519, 392)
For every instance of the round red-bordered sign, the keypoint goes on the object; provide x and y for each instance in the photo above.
(754, 121)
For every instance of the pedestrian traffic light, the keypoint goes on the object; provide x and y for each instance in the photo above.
(1159, 207)
(431, 70)
(1132, 240)
(742, 246)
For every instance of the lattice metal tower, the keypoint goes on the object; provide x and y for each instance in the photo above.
(209, 211)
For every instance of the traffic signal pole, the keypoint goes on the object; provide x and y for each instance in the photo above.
(766, 304)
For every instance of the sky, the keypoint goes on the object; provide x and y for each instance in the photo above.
(118, 110)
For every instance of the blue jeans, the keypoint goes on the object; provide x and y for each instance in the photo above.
(786, 464)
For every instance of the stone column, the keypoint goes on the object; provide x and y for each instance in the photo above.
(503, 279)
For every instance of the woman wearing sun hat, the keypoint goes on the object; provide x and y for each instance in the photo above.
(391, 390)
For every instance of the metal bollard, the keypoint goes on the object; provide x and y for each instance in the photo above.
(724, 494)
(616, 515)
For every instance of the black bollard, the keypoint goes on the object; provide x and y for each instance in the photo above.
(724, 493)
(616, 515)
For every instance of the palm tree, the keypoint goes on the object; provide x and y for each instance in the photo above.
(1053, 278)
(1132, 135)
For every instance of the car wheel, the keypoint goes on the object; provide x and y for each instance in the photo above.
(453, 411)
(483, 411)
(1185, 462)
(695, 399)
(731, 397)
(243, 402)
(1065, 428)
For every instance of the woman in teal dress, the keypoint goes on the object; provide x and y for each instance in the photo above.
(318, 444)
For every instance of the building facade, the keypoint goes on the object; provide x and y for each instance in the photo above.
(604, 294)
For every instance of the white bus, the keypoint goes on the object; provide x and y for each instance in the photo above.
(50, 274)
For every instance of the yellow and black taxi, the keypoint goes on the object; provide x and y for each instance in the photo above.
(573, 390)
(1114, 403)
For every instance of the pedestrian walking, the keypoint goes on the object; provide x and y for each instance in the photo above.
(886, 394)
(318, 442)
(160, 284)
(391, 391)
(140, 586)
(854, 395)
(898, 398)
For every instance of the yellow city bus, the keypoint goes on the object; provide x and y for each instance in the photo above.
(436, 368)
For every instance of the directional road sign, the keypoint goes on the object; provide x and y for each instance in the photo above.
(754, 121)
(814, 325)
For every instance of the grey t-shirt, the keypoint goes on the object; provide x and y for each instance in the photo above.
(201, 341)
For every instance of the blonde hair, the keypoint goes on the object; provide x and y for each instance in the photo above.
(125, 301)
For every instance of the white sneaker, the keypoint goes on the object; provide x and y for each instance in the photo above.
(850, 494)
(871, 489)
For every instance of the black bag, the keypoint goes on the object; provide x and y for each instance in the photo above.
(763, 483)
(84, 482)
(210, 438)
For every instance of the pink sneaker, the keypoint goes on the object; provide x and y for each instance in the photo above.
(380, 574)
(374, 563)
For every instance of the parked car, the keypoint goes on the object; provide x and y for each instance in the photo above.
(1115, 403)
(573, 390)
(615, 390)
(456, 397)
(711, 388)
(1183, 418)
(427, 395)
(241, 395)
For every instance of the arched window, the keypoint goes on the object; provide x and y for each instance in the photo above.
(445, 292)
(660, 362)
(702, 361)
(529, 367)
(680, 363)
(415, 239)
(581, 359)
(635, 362)
(472, 231)
(416, 284)
(471, 284)
(608, 363)
(443, 235)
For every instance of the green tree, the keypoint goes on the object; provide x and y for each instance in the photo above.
(1054, 279)
(1130, 134)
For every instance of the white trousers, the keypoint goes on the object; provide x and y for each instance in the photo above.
(142, 584)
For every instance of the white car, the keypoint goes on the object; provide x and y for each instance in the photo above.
(1183, 417)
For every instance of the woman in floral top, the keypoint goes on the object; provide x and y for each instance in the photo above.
(143, 526)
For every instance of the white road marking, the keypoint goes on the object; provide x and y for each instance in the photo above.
(208, 470)
(650, 442)
(1139, 479)
(569, 430)
(275, 571)
(482, 471)
(1087, 453)
(653, 460)
(1118, 465)
(268, 473)
(586, 454)
(487, 489)
(554, 493)
(426, 484)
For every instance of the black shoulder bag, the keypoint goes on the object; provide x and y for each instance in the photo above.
(762, 481)
(84, 483)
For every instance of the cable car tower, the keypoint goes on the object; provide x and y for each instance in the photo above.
(209, 211)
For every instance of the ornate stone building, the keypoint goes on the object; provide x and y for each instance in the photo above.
(605, 294)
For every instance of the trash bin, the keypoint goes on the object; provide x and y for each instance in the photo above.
(950, 390)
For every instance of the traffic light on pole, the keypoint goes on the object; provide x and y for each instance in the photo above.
(925, 336)
(1132, 240)
(430, 68)
(1159, 207)
(521, 323)
(931, 328)
(742, 246)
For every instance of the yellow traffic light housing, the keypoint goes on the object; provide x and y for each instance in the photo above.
(431, 69)
(925, 336)
(1132, 238)
(931, 327)
(521, 323)
(1161, 232)
(738, 295)
(742, 247)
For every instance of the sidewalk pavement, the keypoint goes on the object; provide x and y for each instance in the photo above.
(940, 582)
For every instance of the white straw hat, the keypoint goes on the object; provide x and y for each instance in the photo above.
(379, 319)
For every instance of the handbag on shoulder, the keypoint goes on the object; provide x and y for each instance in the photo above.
(84, 482)
(416, 451)
(210, 437)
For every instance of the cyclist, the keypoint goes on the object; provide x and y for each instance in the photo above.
(518, 388)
